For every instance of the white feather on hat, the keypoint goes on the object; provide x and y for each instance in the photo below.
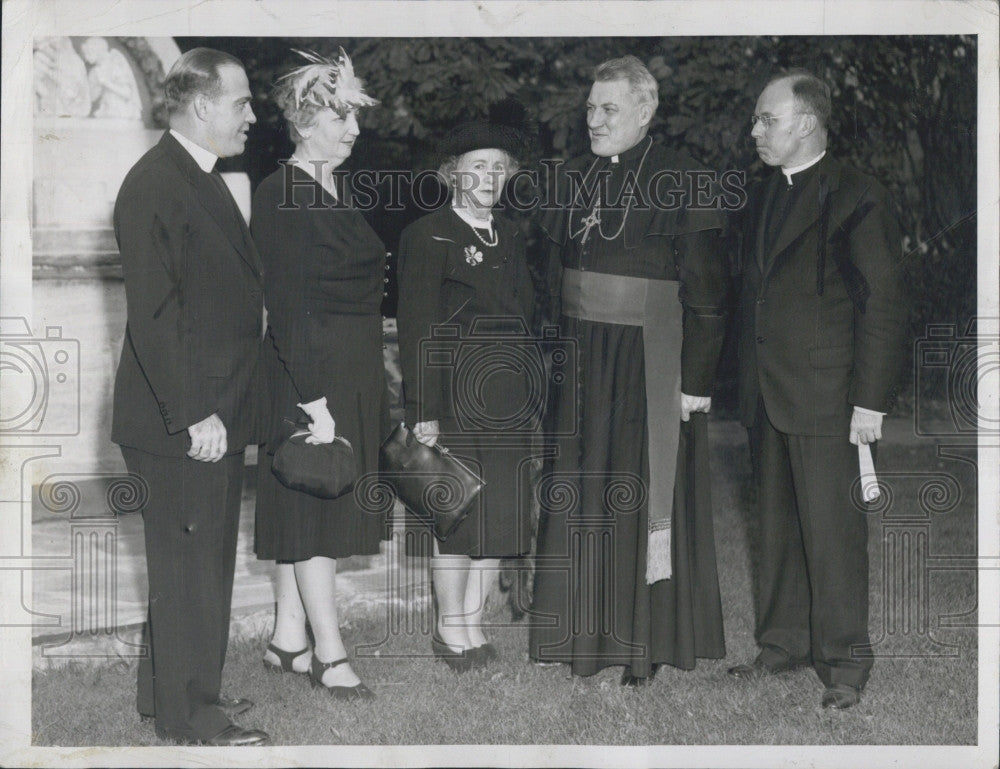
(325, 83)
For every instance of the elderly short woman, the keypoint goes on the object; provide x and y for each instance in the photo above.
(465, 265)
(324, 268)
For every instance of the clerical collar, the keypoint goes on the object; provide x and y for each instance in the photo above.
(472, 221)
(790, 172)
(204, 158)
(633, 153)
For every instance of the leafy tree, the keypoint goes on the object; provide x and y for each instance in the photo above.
(904, 111)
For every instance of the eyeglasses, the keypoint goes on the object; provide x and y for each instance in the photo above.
(769, 120)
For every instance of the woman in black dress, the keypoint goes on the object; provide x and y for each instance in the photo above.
(324, 268)
(477, 388)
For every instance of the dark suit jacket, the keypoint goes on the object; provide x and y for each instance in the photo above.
(813, 356)
(195, 307)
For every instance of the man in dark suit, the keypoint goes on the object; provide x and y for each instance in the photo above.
(186, 389)
(822, 334)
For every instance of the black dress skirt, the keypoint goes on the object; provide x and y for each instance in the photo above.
(323, 282)
(470, 362)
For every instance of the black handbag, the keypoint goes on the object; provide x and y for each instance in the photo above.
(325, 470)
(438, 488)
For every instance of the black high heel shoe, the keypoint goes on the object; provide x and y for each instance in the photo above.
(358, 692)
(460, 662)
(487, 652)
(285, 659)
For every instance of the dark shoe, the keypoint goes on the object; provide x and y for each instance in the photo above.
(234, 706)
(460, 662)
(236, 736)
(357, 692)
(630, 680)
(487, 652)
(285, 659)
(757, 669)
(841, 696)
(231, 706)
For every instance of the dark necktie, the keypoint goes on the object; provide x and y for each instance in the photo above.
(226, 199)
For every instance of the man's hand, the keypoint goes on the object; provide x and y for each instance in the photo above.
(690, 403)
(208, 440)
(866, 426)
(322, 426)
(427, 432)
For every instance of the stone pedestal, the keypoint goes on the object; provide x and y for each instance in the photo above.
(79, 165)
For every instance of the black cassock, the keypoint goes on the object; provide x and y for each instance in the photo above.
(592, 606)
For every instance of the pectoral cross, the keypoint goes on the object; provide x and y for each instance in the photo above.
(589, 222)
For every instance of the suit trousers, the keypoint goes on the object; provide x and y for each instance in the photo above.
(191, 523)
(812, 598)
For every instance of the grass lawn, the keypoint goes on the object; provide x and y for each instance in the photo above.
(929, 699)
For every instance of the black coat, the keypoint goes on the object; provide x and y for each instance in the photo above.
(816, 342)
(195, 308)
(439, 285)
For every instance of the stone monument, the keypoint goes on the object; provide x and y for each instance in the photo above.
(98, 108)
(96, 112)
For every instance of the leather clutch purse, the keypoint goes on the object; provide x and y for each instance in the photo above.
(431, 482)
(325, 470)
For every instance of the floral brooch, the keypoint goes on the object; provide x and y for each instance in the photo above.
(473, 255)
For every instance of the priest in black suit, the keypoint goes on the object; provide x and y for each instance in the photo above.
(822, 335)
(186, 389)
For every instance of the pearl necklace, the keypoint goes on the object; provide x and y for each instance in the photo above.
(495, 234)
(484, 241)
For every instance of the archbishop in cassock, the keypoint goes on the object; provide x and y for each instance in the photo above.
(626, 571)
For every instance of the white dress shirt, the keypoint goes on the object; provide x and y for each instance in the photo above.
(204, 158)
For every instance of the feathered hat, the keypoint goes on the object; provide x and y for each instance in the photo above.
(322, 83)
(505, 129)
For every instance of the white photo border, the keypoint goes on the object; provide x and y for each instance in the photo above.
(25, 19)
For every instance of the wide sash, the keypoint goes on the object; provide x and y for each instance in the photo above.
(654, 305)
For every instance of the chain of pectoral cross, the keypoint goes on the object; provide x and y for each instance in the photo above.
(593, 219)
